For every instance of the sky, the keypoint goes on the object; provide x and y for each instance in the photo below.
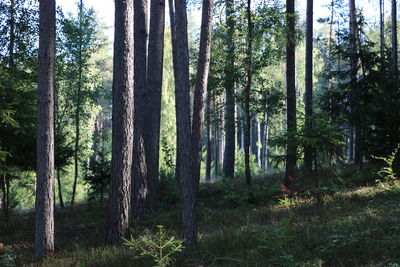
(105, 10)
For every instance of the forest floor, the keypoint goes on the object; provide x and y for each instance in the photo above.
(354, 224)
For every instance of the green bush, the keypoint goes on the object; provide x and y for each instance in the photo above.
(160, 247)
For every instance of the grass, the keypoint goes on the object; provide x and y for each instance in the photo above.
(359, 225)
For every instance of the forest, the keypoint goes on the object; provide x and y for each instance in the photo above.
(199, 133)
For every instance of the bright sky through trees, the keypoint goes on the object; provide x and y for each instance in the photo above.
(105, 10)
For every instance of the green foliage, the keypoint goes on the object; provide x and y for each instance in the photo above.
(161, 247)
(7, 257)
(387, 172)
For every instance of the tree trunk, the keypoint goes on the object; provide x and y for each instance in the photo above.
(140, 186)
(382, 28)
(154, 86)
(291, 157)
(122, 129)
(78, 105)
(201, 88)
(247, 92)
(308, 149)
(354, 96)
(12, 34)
(239, 128)
(229, 154)
(394, 39)
(184, 170)
(255, 138)
(60, 197)
(44, 233)
(216, 138)
(209, 140)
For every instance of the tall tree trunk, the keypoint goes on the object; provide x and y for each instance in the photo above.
(44, 230)
(353, 77)
(122, 129)
(216, 138)
(308, 149)
(394, 40)
(291, 149)
(184, 170)
(154, 86)
(382, 28)
(12, 34)
(140, 186)
(4, 196)
(78, 105)
(239, 128)
(209, 140)
(60, 196)
(247, 92)
(229, 154)
(255, 138)
(203, 67)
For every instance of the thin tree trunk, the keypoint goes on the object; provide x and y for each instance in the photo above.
(122, 129)
(154, 86)
(44, 230)
(216, 138)
(209, 140)
(291, 157)
(78, 106)
(4, 197)
(60, 197)
(247, 93)
(308, 149)
(229, 154)
(201, 88)
(12, 34)
(255, 138)
(354, 96)
(184, 162)
(382, 28)
(394, 40)
(140, 186)
(239, 128)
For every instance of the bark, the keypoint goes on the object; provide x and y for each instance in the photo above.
(382, 28)
(201, 88)
(184, 170)
(44, 230)
(354, 96)
(247, 92)
(239, 128)
(12, 34)
(291, 157)
(78, 106)
(60, 197)
(229, 153)
(154, 86)
(255, 138)
(394, 40)
(209, 140)
(308, 149)
(122, 130)
(140, 186)
(216, 139)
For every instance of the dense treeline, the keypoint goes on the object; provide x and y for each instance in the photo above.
(258, 90)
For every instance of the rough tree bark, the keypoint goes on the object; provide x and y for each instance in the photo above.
(184, 171)
(291, 148)
(382, 28)
(209, 140)
(247, 93)
(154, 86)
(308, 150)
(44, 231)
(140, 187)
(201, 87)
(394, 40)
(78, 105)
(230, 147)
(122, 130)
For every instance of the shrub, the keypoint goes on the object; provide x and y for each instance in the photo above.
(160, 247)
